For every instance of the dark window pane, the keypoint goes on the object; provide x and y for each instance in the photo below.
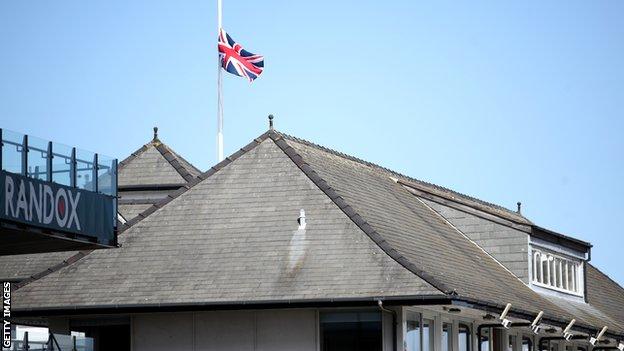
(351, 331)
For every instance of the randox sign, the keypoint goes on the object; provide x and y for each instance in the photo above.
(58, 207)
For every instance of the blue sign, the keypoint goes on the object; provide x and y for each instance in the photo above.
(57, 207)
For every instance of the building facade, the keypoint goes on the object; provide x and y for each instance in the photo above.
(287, 245)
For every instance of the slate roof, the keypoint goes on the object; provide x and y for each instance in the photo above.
(416, 234)
(604, 293)
(155, 164)
(228, 237)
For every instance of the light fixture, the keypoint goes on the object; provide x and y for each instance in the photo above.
(566, 332)
(621, 346)
(593, 340)
(503, 317)
(535, 326)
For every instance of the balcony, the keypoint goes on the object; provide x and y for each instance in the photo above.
(54, 197)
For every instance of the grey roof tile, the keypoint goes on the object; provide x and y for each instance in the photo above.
(147, 168)
(132, 210)
(604, 293)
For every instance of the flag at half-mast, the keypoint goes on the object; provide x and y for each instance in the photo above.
(237, 60)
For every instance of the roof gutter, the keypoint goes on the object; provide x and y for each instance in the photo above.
(231, 305)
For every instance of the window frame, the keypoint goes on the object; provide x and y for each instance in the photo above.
(552, 270)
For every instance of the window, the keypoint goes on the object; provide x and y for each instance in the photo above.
(420, 334)
(351, 331)
(556, 272)
(527, 344)
(428, 335)
(447, 337)
(511, 342)
(485, 339)
(412, 339)
(464, 337)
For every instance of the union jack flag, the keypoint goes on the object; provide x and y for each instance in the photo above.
(237, 60)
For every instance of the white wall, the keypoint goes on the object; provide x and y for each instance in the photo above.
(292, 330)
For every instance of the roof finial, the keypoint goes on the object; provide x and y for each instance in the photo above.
(270, 122)
(155, 133)
(519, 207)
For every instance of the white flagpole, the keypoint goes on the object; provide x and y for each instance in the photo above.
(219, 93)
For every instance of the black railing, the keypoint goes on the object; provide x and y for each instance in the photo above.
(57, 163)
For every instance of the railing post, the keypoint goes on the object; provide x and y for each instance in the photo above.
(1, 146)
(95, 173)
(72, 168)
(25, 155)
(74, 343)
(114, 179)
(49, 162)
(25, 345)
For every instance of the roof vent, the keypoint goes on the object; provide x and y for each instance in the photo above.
(519, 207)
(302, 219)
(270, 122)
(155, 134)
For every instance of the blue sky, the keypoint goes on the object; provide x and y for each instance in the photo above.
(505, 101)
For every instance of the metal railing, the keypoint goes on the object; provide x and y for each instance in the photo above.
(55, 342)
(54, 162)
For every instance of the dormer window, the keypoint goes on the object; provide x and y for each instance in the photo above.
(556, 271)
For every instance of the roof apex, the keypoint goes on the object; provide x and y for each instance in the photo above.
(183, 167)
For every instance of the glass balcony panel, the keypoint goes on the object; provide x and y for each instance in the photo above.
(107, 176)
(12, 151)
(85, 170)
(37, 158)
(61, 164)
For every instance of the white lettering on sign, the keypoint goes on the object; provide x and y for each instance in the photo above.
(9, 187)
(41, 205)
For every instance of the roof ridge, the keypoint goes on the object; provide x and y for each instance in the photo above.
(352, 214)
(409, 178)
(174, 161)
(125, 226)
(134, 155)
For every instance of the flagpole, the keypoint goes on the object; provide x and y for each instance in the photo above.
(219, 92)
